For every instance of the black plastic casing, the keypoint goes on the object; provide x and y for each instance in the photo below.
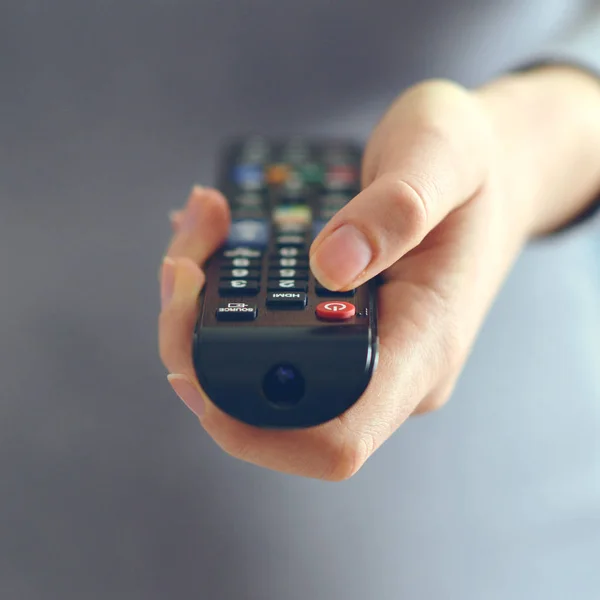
(335, 360)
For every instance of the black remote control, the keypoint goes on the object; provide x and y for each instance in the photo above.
(272, 347)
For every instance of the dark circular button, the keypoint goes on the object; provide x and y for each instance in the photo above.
(335, 311)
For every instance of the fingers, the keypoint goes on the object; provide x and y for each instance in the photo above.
(427, 157)
(319, 453)
(201, 227)
(181, 283)
(420, 341)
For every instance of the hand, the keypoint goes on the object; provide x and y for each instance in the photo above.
(452, 189)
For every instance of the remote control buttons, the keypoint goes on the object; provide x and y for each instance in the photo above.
(288, 263)
(248, 177)
(241, 263)
(291, 228)
(341, 177)
(239, 287)
(242, 252)
(277, 174)
(249, 232)
(240, 274)
(255, 150)
(292, 240)
(291, 285)
(289, 252)
(335, 310)
(248, 200)
(288, 274)
(312, 173)
(286, 300)
(296, 214)
(236, 311)
(323, 291)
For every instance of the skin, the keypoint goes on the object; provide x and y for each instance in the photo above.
(455, 183)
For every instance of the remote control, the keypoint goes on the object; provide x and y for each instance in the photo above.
(272, 347)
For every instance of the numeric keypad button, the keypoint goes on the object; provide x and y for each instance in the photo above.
(301, 274)
(291, 252)
(240, 273)
(288, 263)
(239, 287)
(241, 263)
(291, 285)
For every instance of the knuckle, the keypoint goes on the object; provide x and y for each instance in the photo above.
(437, 399)
(435, 94)
(454, 346)
(349, 455)
(236, 446)
(412, 200)
(432, 403)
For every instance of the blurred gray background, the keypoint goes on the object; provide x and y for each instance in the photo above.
(109, 112)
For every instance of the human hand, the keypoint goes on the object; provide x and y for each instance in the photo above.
(452, 190)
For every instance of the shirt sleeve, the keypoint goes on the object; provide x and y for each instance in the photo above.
(579, 48)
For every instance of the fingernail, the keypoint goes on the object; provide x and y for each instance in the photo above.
(341, 258)
(188, 393)
(167, 281)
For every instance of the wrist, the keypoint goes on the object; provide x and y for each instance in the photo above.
(547, 129)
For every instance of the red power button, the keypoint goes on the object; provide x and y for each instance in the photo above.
(335, 311)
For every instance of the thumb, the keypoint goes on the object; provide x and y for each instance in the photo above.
(427, 156)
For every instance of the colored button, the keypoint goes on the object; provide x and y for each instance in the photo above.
(248, 177)
(312, 173)
(335, 311)
(277, 174)
(290, 285)
(237, 311)
(341, 177)
(288, 274)
(249, 232)
(295, 228)
(242, 252)
(286, 300)
(240, 274)
(294, 214)
(239, 287)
